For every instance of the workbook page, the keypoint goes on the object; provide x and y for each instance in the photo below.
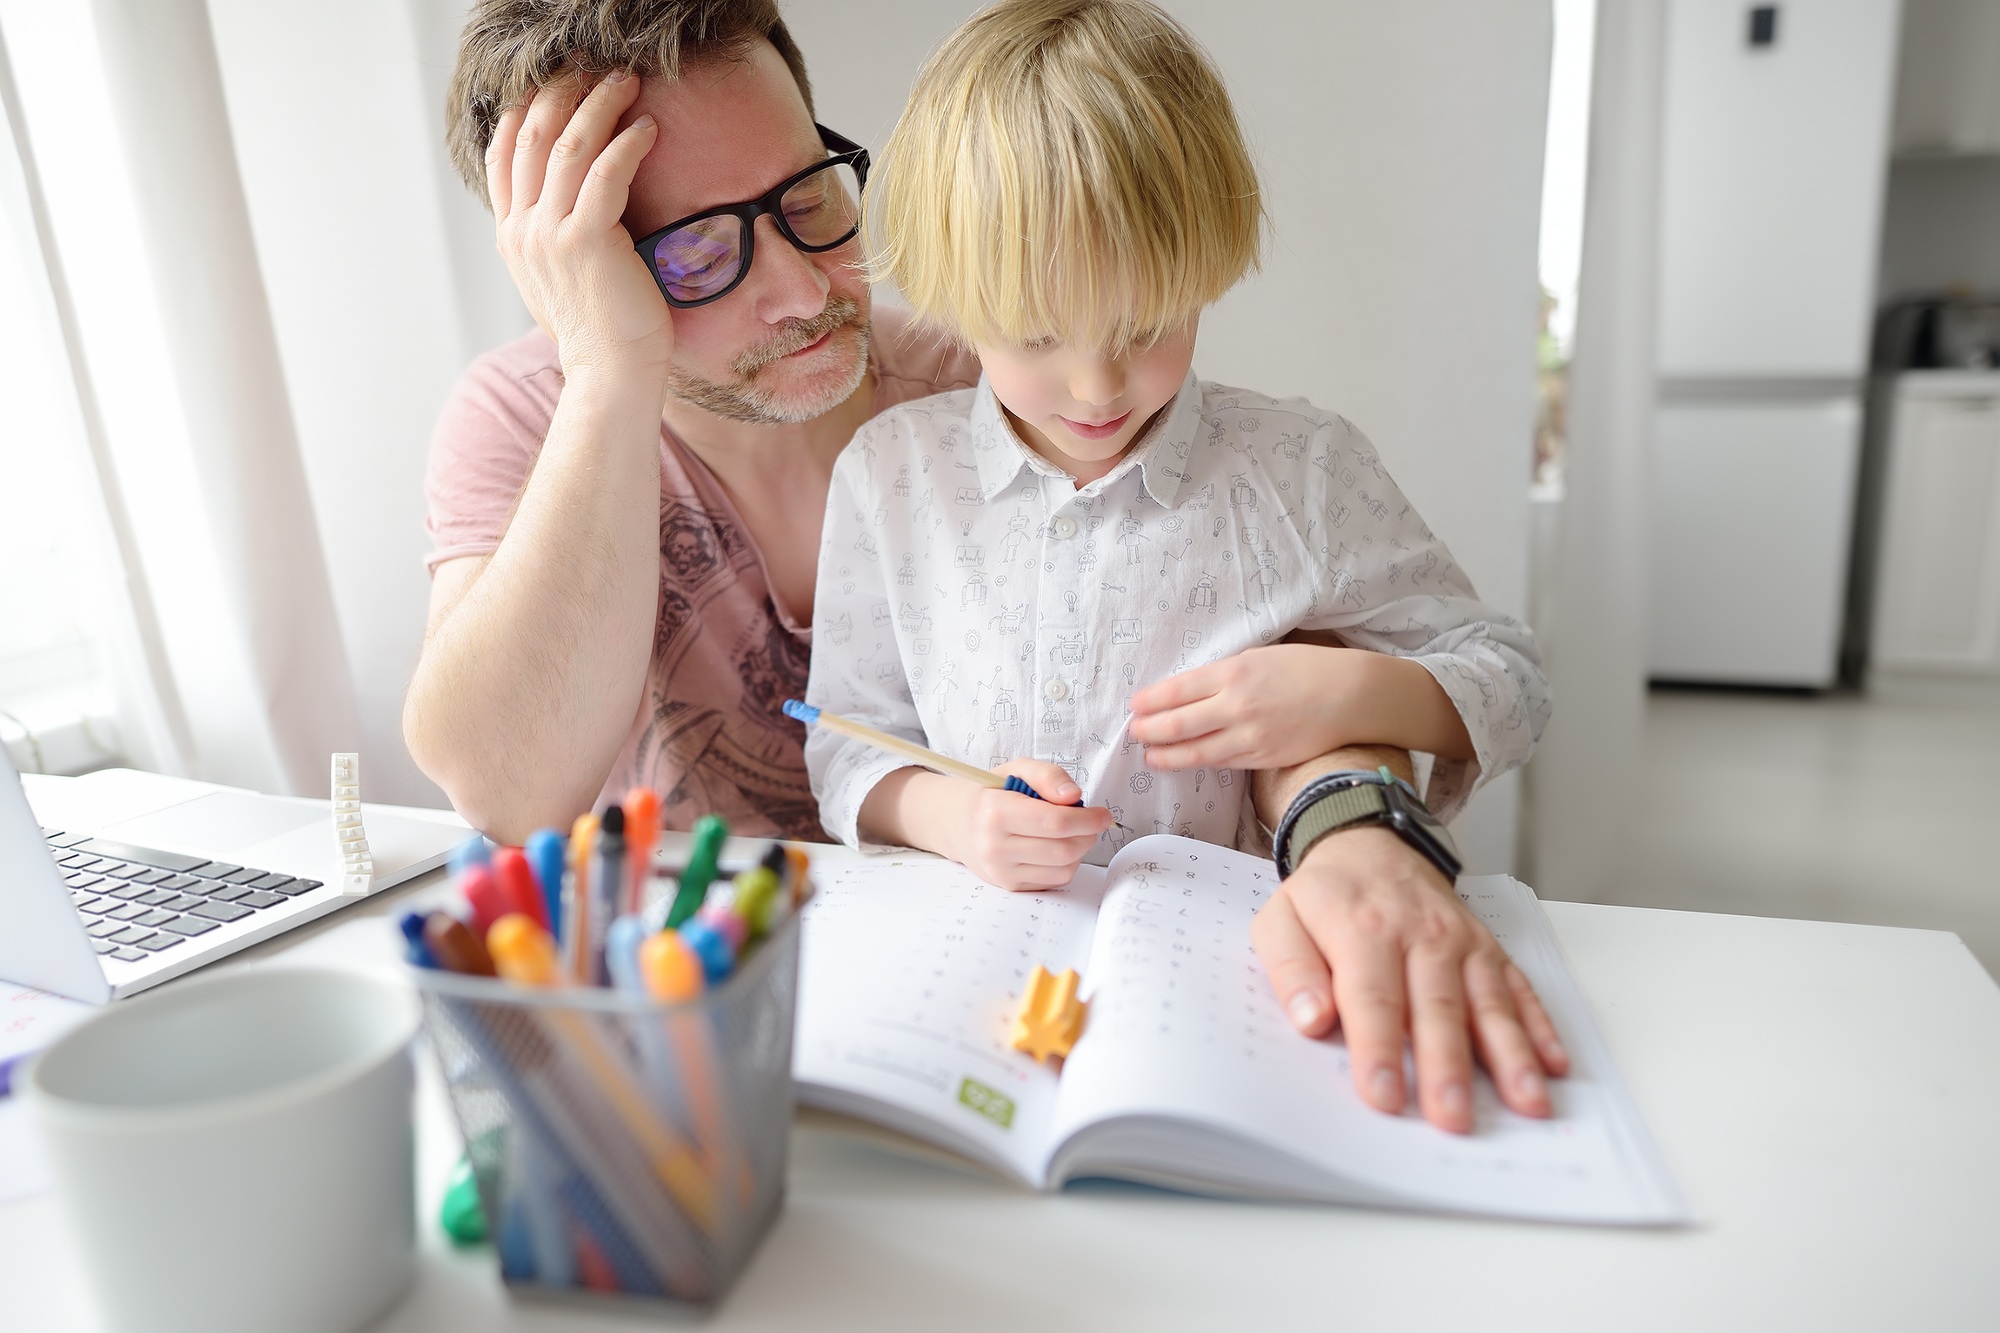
(1183, 1024)
(910, 977)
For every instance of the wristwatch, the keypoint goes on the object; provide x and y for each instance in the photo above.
(1335, 801)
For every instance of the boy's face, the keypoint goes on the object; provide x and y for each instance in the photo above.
(1083, 409)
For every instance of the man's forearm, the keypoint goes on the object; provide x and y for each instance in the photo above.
(1272, 790)
(529, 681)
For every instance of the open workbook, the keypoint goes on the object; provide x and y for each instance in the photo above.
(1187, 1074)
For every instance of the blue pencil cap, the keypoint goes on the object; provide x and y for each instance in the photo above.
(710, 945)
(800, 711)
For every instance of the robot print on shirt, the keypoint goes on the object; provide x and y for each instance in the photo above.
(1292, 446)
(1132, 535)
(1201, 597)
(1010, 545)
(906, 576)
(975, 591)
(1242, 495)
(1068, 650)
(913, 619)
(902, 486)
(1010, 619)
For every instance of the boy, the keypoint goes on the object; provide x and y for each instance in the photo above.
(1004, 568)
(1095, 571)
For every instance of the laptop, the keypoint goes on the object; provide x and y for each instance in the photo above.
(128, 879)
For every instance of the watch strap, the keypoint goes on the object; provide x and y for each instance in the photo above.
(1336, 809)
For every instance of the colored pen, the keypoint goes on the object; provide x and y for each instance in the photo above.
(576, 895)
(472, 852)
(523, 952)
(709, 833)
(546, 851)
(414, 948)
(517, 885)
(455, 947)
(642, 830)
(607, 889)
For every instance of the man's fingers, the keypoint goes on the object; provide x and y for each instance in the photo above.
(1438, 1031)
(500, 160)
(608, 187)
(1535, 1019)
(1299, 975)
(547, 115)
(1177, 690)
(575, 149)
(1503, 1044)
(1368, 990)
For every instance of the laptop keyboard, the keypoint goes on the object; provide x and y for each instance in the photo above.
(137, 901)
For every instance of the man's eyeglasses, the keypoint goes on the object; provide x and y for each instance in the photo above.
(704, 256)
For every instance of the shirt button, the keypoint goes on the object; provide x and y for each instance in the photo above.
(1057, 690)
(1064, 528)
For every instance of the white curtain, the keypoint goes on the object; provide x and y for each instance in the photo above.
(268, 304)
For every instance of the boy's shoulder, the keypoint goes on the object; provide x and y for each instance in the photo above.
(1281, 433)
(910, 430)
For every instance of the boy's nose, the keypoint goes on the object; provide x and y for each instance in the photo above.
(1098, 383)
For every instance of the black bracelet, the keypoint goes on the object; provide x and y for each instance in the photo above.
(1326, 784)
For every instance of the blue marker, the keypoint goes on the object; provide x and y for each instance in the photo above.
(414, 948)
(718, 956)
(474, 851)
(547, 852)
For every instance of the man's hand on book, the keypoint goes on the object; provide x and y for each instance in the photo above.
(1366, 932)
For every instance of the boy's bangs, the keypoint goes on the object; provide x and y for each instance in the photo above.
(1050, 182)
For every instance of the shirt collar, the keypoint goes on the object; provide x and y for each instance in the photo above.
(1161, 455)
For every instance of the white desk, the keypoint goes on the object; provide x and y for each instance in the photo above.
(1828, 1094)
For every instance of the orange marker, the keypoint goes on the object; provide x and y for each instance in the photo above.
(671, 970)
(575, 924)
(642, 830)
(523, 952)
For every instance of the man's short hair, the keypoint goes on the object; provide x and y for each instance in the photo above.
(1065, 168)
(511, 48)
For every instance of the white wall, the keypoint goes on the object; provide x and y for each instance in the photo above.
(1401, 149)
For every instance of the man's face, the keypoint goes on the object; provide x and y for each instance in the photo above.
(790, 343)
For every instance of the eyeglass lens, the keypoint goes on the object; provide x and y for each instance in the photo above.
(704, 257)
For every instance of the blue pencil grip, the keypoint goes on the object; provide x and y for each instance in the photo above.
(1015, 784)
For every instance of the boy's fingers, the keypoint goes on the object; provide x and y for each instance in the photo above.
(500, 160)
(1182, 722)
(1176, 690)
(591, 127)
(1051, 782)
(1299, 975)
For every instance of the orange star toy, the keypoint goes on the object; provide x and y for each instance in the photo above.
(1051, 1017)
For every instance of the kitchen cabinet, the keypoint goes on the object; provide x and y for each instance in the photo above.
(1947, 98)
(1937, 601)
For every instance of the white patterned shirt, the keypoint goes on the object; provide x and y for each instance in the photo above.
(974, 599)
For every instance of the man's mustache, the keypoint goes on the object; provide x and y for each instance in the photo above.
(796, 333)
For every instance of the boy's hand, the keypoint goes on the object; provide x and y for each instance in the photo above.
(1016, 841)
(1367, 931)
(558, 174)
(1272, 707)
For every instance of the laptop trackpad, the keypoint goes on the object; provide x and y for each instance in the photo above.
(221, 823)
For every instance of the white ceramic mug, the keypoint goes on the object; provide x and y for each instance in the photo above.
(237, 1152)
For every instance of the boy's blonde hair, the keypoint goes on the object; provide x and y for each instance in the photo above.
(1065, 169)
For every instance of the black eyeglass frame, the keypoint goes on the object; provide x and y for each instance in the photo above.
(844, 152)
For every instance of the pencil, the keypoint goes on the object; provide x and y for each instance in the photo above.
(910, 750)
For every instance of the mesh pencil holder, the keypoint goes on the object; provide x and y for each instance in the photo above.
(621, 1146)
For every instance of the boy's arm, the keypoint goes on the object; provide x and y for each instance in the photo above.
(857, 665)
(1366, 931)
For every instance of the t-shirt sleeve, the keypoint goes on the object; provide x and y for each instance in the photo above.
(485, 445)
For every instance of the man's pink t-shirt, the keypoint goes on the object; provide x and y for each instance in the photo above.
(707, 733)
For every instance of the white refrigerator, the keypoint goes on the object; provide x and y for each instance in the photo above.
(1773, 166)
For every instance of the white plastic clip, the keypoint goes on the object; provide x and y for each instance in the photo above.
(350, 839)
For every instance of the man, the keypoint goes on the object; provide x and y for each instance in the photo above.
(627, 506)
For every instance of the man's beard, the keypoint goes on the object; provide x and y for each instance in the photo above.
(746, 400)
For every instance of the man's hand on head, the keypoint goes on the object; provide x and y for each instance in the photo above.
(558, 174)
(1367, 933)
